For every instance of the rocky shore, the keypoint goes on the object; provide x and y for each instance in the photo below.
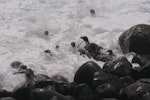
(117, 79)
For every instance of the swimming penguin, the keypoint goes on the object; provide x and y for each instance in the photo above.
(16, 64)
(46, 33)
(57, 47)
(92, 12)
(48, 52)
(73, 44)
(73, 48)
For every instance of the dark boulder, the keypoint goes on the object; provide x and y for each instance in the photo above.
(22, 92)
(127, 80)
(72, 88)
(136, 39)
(135, 73)
(102, 78)
(106, 90)
(4, 93)
(42, 94)
(70, 97)
(42, 80)
(140, 60)
(59, 79)
(141, 72)
(137, 90)
(145, 71)
(50, 87)
(83, 92)
(7, 98)
(120, 67)
(85, 73)
(62, 85)
(108, 99)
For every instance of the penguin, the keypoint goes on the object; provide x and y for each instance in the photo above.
(105, 57)
(48, 52)
(92, 12)
(22, 92)
(73, 48)
(46, 33)
(91, 49)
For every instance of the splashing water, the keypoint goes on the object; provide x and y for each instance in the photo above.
(23, 23)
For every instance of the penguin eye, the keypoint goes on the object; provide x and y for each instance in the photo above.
(28, 85)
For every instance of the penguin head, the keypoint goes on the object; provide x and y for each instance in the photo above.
(85, 38)
(73, 44)
(110, 52)
(46, 32)
(47, 51)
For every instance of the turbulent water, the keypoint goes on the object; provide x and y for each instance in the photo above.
(23, 22)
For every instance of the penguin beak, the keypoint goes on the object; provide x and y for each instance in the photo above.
(82, 37)
(21, 72)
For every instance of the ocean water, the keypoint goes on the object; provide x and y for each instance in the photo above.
(23, 23)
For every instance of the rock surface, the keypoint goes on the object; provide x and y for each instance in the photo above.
(120, 67)
(136, 39)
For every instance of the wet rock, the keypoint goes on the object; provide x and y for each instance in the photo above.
(85, 73)
(4, 93)
(83, 92)
(42, 94)
(7, 98)
(59, 79)
(61, 84)
(135, 73)
(137, 90)
(22, 92)
(127, 80)
(70, 97)
(50, 87)
(106, 90)
(120, 67)
(145, 95)
(138, 59)
(145, 71)
(42, 80)
(102, 78)
(108, 99)
(54, 98)
(136, 39)
(72, 88)
(141, 72)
